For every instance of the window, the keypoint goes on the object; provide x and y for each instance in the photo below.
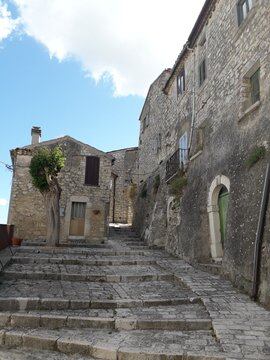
(202, 72)
(157, 143)
(244, 7)
(78, 210)
(92, 170)
(183, 149)
(255, 87)
(181, 83)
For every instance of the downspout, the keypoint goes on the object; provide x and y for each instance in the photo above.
(193, 100)
(259, 236)
(114, 194)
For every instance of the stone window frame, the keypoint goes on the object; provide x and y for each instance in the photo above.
(248, 106)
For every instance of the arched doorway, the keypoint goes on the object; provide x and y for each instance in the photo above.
(218, 201)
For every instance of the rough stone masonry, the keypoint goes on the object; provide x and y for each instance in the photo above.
(205, 131)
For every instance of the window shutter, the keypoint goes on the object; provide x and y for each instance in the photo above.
(92, 170)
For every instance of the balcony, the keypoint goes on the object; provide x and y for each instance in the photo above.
(177, 162)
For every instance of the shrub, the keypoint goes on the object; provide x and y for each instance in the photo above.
(257, 153)
(45, 165)
(177, 185)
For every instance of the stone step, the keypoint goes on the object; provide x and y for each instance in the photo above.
(179, 317)
(75, 277)
(37, 354)
(82, 251)
(17, 259)
(119, 345)
(49, 321)
(31, 303)
(96, 291)
(212, 268)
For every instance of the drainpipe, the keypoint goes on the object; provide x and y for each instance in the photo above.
(193, 99)
(259, 236)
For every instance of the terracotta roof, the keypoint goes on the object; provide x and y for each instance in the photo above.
(124, 149)
(61, 139)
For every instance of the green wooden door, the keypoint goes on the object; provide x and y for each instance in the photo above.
(223, 202)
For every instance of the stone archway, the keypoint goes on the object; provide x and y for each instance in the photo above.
(219, 183)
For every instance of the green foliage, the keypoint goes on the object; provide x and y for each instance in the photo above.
(143, 193)
(46, 161)
(257, 153)
(177, 185)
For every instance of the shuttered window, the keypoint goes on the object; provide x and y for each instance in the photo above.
(92, 170)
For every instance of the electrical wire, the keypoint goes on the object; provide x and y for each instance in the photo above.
(7, 166)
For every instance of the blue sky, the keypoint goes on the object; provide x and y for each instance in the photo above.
(58, 97)
(82, 69)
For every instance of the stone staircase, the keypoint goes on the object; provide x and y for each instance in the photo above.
(111, 302)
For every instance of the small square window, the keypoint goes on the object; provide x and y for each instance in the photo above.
(181, 83)
(202, 72)
(244, 7)
(255, 90)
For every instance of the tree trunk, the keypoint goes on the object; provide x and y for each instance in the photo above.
(52, 199)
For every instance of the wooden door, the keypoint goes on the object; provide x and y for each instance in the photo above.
(77, 220)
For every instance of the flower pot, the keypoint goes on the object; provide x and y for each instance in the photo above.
(16, 241)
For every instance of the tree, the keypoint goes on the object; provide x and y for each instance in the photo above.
(44, 170)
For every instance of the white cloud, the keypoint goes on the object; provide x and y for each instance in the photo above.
(3, 202)
(7, 24)
(129, 41)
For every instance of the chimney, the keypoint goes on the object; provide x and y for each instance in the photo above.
(36, 134)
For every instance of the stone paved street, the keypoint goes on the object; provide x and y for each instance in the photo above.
(123, 300)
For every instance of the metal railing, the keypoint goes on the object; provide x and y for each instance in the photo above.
(176, 162)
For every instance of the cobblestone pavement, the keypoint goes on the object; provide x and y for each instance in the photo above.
(122, 301)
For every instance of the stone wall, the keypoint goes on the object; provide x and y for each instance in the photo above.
(226, 132)
(27, 211)
(123, 180)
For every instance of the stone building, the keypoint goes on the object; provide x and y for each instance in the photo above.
(123, 185)
(202, 197)
(85, 197)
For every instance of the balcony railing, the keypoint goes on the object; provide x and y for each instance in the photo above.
(176, 162)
